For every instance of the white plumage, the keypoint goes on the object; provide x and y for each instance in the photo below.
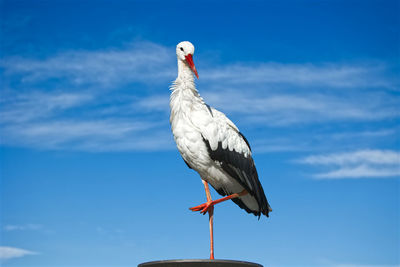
(210, 143)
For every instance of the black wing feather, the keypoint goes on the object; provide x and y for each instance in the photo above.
(243, 170)
(187, 163)
(245, 139)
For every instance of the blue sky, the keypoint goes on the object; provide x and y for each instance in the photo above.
(90, 175)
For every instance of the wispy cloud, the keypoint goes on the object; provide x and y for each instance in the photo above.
(287, 109)
(96, 135)
(361, 171)
(154, 103)
(357, 164)
(321, 140)
(141, 62)
(74, 121)
(12, 252)
(69, 108)
(148, 62)
(366, 134)
(322, 75)
(24, 227)
(18, 107)
(366, 156)
(279, 144)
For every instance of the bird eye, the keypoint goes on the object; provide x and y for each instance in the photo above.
(181, 49)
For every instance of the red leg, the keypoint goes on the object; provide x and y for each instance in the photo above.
(209, 207)
(210, 219)
(203, 208)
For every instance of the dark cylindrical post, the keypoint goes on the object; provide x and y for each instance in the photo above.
(199, 263)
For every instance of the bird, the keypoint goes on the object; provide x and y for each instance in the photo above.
(211, 144)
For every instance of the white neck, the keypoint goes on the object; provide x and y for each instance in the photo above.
(184, 92)
(184, 72)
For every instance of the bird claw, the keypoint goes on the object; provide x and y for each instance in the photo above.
(204, 208)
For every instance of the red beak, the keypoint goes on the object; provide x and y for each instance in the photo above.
(189, 60)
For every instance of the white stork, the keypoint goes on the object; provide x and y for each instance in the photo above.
(212, 145)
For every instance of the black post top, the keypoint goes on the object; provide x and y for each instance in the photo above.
(199, 263)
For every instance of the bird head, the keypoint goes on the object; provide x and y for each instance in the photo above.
(184, 52)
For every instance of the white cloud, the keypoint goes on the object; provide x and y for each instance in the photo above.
(151, 63)
(18, 107)
(80, 121)
(357, 164)
(326, 75)
(287, 109)
(154, 103)
(89, 135)
(11, 252)
(361, 171)
(322, 139)
(362, 156)
(143, 62)
(74, 111)
(279, 144)
(365, 134)
(29, 226)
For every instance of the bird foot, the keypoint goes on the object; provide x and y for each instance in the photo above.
(205, 207)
